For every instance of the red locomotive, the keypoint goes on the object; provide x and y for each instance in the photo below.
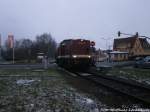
(75, 53)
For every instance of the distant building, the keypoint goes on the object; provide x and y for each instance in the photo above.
(40, 57)
(134, 46)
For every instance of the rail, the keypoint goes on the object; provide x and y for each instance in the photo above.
(134, 89)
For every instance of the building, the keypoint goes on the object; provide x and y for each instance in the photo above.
(119, 56)
(135, 46)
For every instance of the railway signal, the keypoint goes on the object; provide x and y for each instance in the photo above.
(92, 43)
(119, 33)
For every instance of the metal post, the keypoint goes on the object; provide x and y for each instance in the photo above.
(13, 55)
(0, 47)
(0, 52)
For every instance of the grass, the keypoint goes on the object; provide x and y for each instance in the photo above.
(39, 91)
(14, 74)
(28, 72)
(135, 73)
(3, 87)
(50, 92)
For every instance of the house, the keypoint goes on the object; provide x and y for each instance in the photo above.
(135, 46)
(145, 45)
(131, 46)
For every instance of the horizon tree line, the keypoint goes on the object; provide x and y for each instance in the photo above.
(27, 49)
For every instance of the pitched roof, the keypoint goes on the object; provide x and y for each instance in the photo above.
(144, 43)
(127, 42)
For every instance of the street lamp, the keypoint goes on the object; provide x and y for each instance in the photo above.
(107, 39)
(108, 47)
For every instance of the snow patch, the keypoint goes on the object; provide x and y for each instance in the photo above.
(25, 82)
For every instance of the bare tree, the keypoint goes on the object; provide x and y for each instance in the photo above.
(46, 44)
(26, 49)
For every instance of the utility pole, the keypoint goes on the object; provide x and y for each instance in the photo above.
(0, 47)
(11, 45)
(107, 47)
(13, 55)
(107, 39)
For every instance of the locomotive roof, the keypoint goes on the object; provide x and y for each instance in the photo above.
(67, 40)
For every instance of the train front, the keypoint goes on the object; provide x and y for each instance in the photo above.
(75, 53)
(82, 53)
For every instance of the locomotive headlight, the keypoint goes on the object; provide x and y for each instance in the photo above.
(89, 56)
(74, 56)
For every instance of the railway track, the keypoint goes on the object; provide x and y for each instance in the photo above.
(133, 89)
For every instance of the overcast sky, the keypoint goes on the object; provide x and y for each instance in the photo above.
(89, 19)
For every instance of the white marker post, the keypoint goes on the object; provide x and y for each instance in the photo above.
(0, 47)
(11, 45)
(13, 55)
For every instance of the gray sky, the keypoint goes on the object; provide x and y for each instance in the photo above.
(89, 19)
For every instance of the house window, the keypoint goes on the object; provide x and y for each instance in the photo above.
(123, 56)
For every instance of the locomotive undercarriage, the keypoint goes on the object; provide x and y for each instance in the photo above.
(75, 63)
